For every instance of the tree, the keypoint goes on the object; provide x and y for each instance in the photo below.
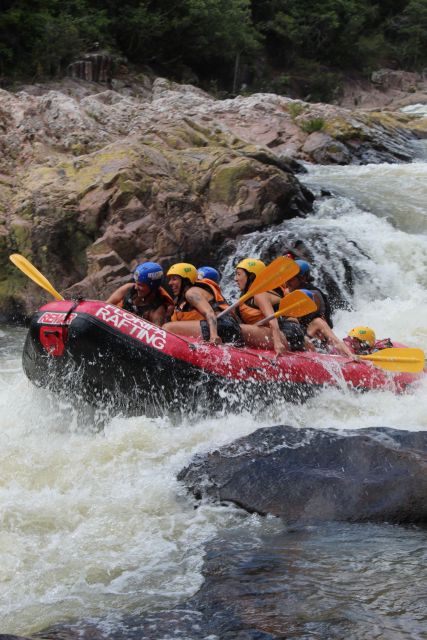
(197, 33)
(41, 37)
(408, 32)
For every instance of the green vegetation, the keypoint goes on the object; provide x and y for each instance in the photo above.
(295, 108)
(263, 44)
(310, 126)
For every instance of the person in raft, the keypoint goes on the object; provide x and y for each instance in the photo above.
(318, 325)
(197, 303)
(257, 308)
(362, 341)
(208, 273)
(304, 280)
(145, 296)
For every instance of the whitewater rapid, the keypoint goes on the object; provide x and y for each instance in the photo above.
(94, 525)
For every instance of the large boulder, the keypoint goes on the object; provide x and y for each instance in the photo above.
(102, 182)
(93, 180)
(389, 89)
(306, 475)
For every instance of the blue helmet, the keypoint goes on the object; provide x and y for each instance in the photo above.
(149, 273)
(304, 267)
(208, 272)
(308, 293)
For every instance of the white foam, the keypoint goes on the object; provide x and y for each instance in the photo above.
(93, 524)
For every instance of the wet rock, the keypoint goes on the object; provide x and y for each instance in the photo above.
(306, 475)
(325, 150)
(286, 582)
(372, 137)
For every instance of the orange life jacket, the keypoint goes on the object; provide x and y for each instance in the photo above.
(251, 314)
(185, 311)
(167, 298)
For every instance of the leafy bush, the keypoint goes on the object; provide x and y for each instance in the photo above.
(312, 125)
(280, 84)
(214, 38)
(295, 108)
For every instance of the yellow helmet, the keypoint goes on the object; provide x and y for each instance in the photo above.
(185, 270)
(253, 265)
(365, 334)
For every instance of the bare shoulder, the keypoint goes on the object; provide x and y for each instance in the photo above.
(261, 297)
(119, 293)
(195, 294)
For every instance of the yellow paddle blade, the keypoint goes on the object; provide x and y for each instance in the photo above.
(398, 359)
(274, 275)
(277, 273)
(30, 270)
(295, 305)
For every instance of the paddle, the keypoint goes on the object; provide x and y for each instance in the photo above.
(398, 359)
(26, 267)
(294, 305)
(274, 275)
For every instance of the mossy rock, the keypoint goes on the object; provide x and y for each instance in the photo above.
(192, 137)
(6, 248)
(386, 119)
(343, 130)
(80, 176)
(392, 120)
(78, 245)
(26, 209)
(6, 194)
(173, 140)
(21, 235)
(99, 247)
(14, 288)
(419, 126)
(225, 180)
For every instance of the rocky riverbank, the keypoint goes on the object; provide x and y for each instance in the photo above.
(93, 180)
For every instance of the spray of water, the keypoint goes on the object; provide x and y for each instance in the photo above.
(95, 523)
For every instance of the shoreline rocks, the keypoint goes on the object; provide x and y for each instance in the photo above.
(94, 180)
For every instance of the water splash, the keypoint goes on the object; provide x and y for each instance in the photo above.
(95, 524)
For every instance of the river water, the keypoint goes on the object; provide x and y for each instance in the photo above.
(95, 525)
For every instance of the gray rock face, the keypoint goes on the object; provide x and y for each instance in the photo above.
(93, 183)
(325, 150)
(306, 475)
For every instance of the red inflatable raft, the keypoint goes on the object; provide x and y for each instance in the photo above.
(101, 354)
